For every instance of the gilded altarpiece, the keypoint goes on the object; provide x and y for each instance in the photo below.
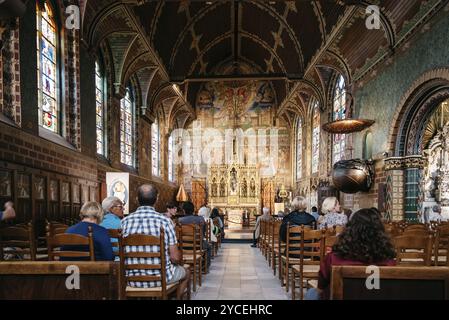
(235, 189)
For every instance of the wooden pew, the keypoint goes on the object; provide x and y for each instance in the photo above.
(47, 280)
(396, 283)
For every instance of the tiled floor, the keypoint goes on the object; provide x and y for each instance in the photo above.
(240, 272)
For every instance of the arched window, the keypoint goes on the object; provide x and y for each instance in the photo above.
(171, 168)
(155, 148)
(339, 113)
(100, 109)
(299, 149)
(47, 68)
(368, 146)
(315, 136)
(127, 128)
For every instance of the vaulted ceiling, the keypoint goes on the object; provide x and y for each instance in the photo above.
(297, 45)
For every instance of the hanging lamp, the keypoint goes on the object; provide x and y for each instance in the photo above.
(348, 125)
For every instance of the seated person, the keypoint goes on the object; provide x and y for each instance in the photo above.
(315, 213)
(91, 214)
(147, 221)
(435, 214)
(264, 217)
(332, 214)
(363, 242)
(114, 208)
(297, 217)
(8, 213)
(190, 218)
(172, 209)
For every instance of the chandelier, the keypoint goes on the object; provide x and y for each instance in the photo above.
(347, 125)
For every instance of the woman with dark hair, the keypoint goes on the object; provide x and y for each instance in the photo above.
(363, 242)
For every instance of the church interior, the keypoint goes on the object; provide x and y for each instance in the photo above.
(245, 106)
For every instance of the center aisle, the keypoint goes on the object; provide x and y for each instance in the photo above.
(240, 272)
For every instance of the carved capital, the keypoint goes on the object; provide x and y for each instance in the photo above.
(119, 90)
(394, 163)
(402, 163)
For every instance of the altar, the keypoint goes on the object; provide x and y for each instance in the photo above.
(235, 189)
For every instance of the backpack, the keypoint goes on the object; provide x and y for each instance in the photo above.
(216, 230)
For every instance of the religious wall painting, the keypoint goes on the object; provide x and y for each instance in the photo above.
(23, 186)
(54, 190)
(65, 191)
(264, 97)
(234, 102)
(75, 193)
(117, 184)
(5, 183)
(39, 187)
(84, 193)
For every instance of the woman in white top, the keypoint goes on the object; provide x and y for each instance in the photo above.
(205, 213)
(332, 214)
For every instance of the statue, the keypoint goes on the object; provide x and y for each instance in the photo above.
(252, 188)
(222, 188)
(244, 189)
(233, 181)
(214, 188)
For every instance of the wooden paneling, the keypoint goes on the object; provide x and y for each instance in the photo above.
(198, 193)
(47, 280)
(40, 195)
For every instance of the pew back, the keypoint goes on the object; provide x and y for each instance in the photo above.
(395, 283)
(46, 280)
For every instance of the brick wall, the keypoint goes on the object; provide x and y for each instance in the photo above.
(26, 149)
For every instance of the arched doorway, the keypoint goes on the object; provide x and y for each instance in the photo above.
(421, 116)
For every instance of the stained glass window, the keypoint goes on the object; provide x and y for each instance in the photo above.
(339, 113)
(47, 64)
(171, 176)
(100, 110)
(299, 149)
(155, 151)
(127, 124)
(315, 136)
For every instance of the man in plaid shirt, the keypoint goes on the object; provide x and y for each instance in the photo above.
(147, 221)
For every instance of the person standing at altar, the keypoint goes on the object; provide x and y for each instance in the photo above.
(297, 217)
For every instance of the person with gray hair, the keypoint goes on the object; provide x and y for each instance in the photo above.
(264, 217)
(91, 214)
(297, 217)
(113, 207)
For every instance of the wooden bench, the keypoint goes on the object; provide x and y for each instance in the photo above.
(47, 280)
(396, 283)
